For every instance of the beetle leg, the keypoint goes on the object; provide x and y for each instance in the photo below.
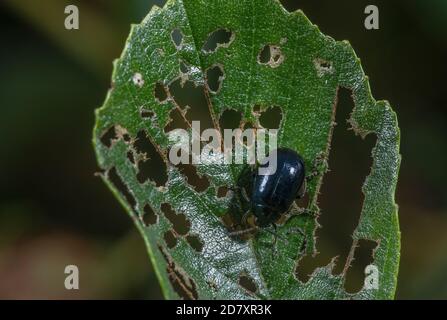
(275, 238)
(296, 230)
(245, 218)
(240, 196)
(239, 233)
(245, 195)
(300, 211)
(276, 234)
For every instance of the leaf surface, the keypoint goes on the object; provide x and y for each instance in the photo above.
(302, 78)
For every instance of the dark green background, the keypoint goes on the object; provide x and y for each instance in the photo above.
(55, 212)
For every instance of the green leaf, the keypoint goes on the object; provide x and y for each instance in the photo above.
(302, 79)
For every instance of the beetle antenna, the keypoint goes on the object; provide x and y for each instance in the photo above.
(276, 234)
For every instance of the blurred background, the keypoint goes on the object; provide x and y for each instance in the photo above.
(54, 212)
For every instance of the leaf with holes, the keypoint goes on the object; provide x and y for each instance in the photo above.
(247, 64)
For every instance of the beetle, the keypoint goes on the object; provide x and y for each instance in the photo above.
(273, 194)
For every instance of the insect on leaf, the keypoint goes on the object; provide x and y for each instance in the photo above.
(242, 58)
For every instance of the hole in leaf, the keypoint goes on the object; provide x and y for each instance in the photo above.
(179, 221)
(199, 183)
(214, 78)
(265, 55)
(108, 137)
(247, 282)
(146, 114)
(151, 167)
(130, 156)
(192, 98)
(170, 239)
(219, 38)
(230, 119)
(195, 242)
(271, 55)
(271, 118)
(126, 137)
(116, 180)
(257, 108)
(323, 67)
(176, 121)
(363, 257)
(160, 92)
(184, 67)
(149, 216)
(138, 79)
(222, 192)
(177, 37)
(341, 197)
(183, 285)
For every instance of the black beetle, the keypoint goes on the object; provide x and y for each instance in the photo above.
(273, 192)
